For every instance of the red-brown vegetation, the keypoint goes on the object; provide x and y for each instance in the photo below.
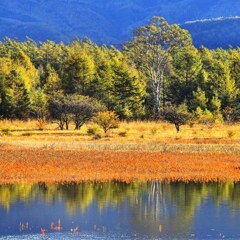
(41, 165)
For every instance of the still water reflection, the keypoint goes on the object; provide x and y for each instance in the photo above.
(150, 210)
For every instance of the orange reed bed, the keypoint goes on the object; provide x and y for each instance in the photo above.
(36, 165)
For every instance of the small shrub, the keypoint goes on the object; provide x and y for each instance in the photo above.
(27, 134)
(230, 133)
(107, 120)
(164, 127)
(231, 115)
(41, 124)
(204, 117)
(154, 131)
(97, 136)
(6, 131)
(191, 124)
(123, 134)
(93, 130)
(176, 117)
(142, 136)
(218, 118)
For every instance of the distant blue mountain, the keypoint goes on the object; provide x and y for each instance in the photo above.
(112, 21)
(214, 33)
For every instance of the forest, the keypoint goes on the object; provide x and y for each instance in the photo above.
(158, 70)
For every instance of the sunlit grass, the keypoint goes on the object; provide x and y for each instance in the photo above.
(151, 130)
(142, 150)
(128, 134)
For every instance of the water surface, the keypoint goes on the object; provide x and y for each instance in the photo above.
(150, 210)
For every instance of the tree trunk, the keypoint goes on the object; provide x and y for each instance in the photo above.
(67, 124)
(61, 125)
(76, 125)
(105, 129)
(157, 99)
(177, 128)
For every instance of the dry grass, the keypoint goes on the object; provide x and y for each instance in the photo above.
(133, 130)
(76, 166)
(139, 136)
(143, 150)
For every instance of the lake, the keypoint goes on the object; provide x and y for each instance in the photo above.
(137, 210)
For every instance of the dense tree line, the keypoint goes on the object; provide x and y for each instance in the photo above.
(157, 70)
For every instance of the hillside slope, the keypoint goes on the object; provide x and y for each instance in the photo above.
(107, 21)
(214, 33)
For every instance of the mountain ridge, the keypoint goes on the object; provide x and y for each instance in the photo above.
(110, 22)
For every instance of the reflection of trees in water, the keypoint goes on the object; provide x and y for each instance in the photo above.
(151, 203)
(81, 196)
(10, 194)
(75, 196)
(225, 192)
(167, 207)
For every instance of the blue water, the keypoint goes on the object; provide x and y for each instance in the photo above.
(149, 210)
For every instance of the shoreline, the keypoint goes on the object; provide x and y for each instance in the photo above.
(51, 165)
(136, 150)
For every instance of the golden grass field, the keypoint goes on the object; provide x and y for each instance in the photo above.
(136, 150)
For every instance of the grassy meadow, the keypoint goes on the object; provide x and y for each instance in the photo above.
(135, 150)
